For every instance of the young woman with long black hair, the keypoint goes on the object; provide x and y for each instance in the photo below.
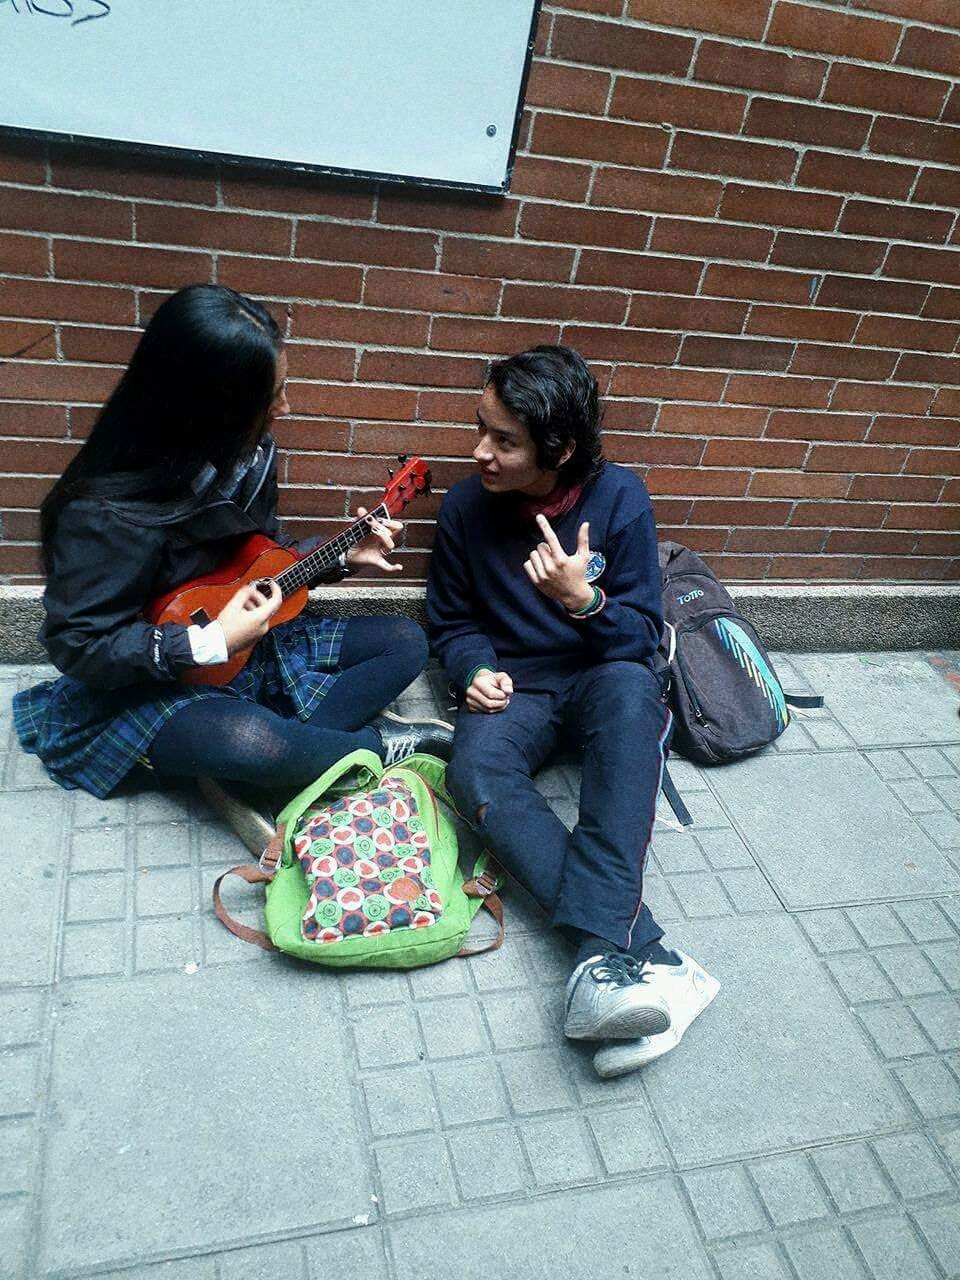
(178, 469)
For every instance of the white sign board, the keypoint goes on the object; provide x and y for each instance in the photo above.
(422, 90)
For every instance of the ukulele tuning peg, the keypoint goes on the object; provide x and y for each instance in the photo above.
(401, 458)
(390, 472)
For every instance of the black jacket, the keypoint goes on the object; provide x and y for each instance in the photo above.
(111, 555)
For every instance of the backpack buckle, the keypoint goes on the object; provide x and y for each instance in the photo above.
(480, 886)
(272, 855)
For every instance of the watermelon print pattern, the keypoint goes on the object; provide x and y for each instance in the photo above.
(367, 860)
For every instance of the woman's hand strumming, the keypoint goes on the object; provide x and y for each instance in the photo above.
(246, 616)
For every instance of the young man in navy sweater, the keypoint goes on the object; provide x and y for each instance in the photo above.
(544, 608)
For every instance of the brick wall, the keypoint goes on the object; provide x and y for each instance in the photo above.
(743, 212)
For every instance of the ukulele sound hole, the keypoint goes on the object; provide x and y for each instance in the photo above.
(200, 617)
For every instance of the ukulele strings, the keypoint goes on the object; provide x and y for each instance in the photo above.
(300, 574)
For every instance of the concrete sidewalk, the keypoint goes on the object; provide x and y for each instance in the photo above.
(176, 1103)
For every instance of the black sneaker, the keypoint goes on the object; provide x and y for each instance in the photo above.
(402, 737)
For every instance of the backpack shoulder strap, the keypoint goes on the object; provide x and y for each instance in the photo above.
(803, 699)
(484, 887)
(669, 788)
(263, 873)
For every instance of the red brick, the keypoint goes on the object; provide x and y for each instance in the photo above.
(359, 325)
(609, 7)
(884, 89)
(651, 450)
(947, 401)
(802, 322)
(941, 266)
(419, 370)
(682, 105)
(628, 415)
(885, 178)
(942, 304)
(890, 222)
(798, 26)
(925, 368)
(556, 179)
(32, 419)
(900, 568)
(430, 291)
(52, 211)
(780, 208)
(826, 568)
(923, 431)
(698, 540)
(448, 211)
(756, 283)
(503, 259)
(826, 253)
(931, 50)
(733, 157)
(843, 361)
(584, 226)
(892, 136)
(938, 186)
(489, 337)
(855, 294)
(351, 401)
(666, 384)
(287, 191)
(19, 338)
(415, 438)
(568, 88)
(900, 333)
(753, 453)
(591, 139)
(738, 568)
(36, 457)
(612, 44)
(638, 271)
(735, 353)
(710, 239)
(314, 361)
(24, 491)
(938, 12)
(283, 278)
(933, 462)
(98, 345)
(799, 541)
(20, 561)
(658, 192)
(798, 122)
(70, 382)
(24, 255)
(748, 68)
(865, 397)
(337, 242)
(121, 171)
(130, 264)
(795, 484)
(619, 345)
(711, 420)
(785, 392)
(745, 18)
(447, 406)
(558, 303)
(895, 489)
(22, 159)
(737, 513)
(938, 544)
(20, 526)
(857, 458)
(213, 229)
(663, 311)
(82, 419)
(309, 434)
(951, 112)
(698, 482)
(784, 425)
(310, 502)
(869, 542)
(861, 515)
(941, 517)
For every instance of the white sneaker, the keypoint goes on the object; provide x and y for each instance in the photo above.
(686, 989)
(610, 997)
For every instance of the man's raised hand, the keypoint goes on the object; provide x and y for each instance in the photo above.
(557, 575)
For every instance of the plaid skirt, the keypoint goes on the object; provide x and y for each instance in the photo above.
(92, 738)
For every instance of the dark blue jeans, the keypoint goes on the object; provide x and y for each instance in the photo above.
(591, 878)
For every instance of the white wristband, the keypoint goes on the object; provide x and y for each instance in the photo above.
(208, 644)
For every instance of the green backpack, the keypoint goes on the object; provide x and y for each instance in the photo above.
(365, 877)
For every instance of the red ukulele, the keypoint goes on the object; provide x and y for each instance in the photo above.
(200, 601)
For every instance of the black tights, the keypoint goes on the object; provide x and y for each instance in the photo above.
(245, 742)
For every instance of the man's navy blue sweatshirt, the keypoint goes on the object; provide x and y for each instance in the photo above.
(483, 610)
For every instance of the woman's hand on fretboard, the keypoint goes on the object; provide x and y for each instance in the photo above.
(371, 553)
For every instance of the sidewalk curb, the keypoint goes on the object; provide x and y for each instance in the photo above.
(794, 617)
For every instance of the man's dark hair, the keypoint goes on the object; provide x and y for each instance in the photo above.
(556, 397)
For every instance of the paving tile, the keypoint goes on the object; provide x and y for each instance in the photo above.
(837, 802)
(945, 958)
(934, 1090)
(924, 920)
(535, 1081)
(415, 1173)
(209, 1042)
(387, 1036)
(749, 891)
(398, 1102)
(21, 1016)
(164, 845)
(31, 884)
(724, 850)
(748, 1077)
(14, 1237)
(724, 1202)
(916, 796)
(452, 1028)
(19, 1069)
(700, 896)
(885, 698)
(829, 931)
(168, 943)
(789, 1190)
(942, 828)
(265, 1262)
(103, 849)
(860, 978)
(852, 1177)
(749, 1262)
(499, 970)
(447, 979)
(164, 891)
(929, 762)
(19, 1141)
(468, 1091)
(221, 947)
(186, 1269)
(892, 765)
(910, 971)
(515, 1019)
(559, 1150)
(351, 1255)
(92, 950)
(541, 1237)
(894, 1031)
(99, 895)
(912, 1164)
(89, 812)
(940, 1228)
(488, 1161)
(371, 986)
(892, 1250)
(878, 926)
(827, 734)
(948, 789)
(940, 1018)
(627, 1138)
(678, 852)
(823, 1254)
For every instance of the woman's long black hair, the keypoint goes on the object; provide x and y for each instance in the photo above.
(197, 390)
